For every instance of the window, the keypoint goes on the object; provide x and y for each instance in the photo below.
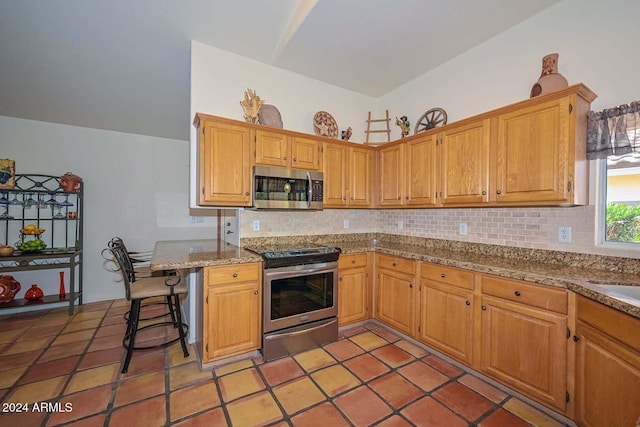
(621, 195)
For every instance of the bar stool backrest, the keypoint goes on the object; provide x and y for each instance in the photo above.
(125, 266)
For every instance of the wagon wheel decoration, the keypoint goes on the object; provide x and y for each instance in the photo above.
(431, 119)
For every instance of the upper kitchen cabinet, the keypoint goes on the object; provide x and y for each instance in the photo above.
(539, 150)
(348, 173)
(464, 161)
(284, 150)
(391, 175)
(224, 162)
(420, 171)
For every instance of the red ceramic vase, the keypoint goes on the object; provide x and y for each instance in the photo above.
(33, 293)
(9, 287)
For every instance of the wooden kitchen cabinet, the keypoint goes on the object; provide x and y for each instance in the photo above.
(464, 162)
(524, 338)
(348, 174)
(539, 152)
(354, 288)
(395, 292)
(420, 171)
(232, 313)
(446, 310)
(279, 149)
(224, 175)
(607, 366)
(391, 175)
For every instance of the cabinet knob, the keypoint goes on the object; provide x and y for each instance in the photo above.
(517, 293)
(246, 194)
(235, 275)
(498, 192)
(442, 275)
(484, 193)
(353, 261)
(284, 158)
(255, 292)
(576, 338)
(467, 302)
(295, 159)
(484, 307)
(393, 264)
(407, 197)
(411, 285)
(340, 279)
(344, 198)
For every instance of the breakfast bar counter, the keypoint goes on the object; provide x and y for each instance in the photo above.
(187, 254)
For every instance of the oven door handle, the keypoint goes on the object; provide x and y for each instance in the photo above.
(294, 273)
(275, 336)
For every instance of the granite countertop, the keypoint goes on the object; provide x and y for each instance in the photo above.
(563, 270)
(185, 254)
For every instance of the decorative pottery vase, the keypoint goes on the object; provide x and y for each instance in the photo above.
(33, 293)
(62, 291)
(550, 80)
(9, 287)
(70, 182)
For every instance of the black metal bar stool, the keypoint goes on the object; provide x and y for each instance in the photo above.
(140, 289)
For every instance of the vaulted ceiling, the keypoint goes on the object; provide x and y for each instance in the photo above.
(123, 65)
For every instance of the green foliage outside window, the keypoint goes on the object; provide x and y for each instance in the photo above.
(623, 223)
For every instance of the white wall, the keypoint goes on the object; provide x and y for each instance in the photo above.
(135, 188)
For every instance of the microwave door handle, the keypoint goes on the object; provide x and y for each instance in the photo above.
(310, 190)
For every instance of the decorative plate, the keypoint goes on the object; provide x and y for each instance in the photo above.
(325, 125)
(270, 116)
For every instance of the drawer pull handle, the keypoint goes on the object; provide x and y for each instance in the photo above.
(442, 275)
(518, 293)
(393, 264)
(498, 192)
(353, 261)
(235, 275)
(484, 307)
(255, 292)
(411, 285)
(467, 302)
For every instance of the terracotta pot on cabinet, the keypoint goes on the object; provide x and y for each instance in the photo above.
(70, 182)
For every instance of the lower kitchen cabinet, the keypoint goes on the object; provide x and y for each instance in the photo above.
(395, 292)
(607, 366)
(446, 316)
(524, 338)
(232, 311)
(354, 293)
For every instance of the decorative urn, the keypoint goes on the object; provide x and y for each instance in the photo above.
(9, 287)
(70, 182)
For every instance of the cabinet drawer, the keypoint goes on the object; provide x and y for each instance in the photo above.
(612, 322)
(235, 273)
(352, 261)
(526, 293)
(396, 264)
(448, 275)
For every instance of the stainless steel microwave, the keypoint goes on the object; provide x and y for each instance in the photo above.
(283, 188)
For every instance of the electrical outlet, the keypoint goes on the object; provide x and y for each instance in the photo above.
(564, 234)
(400, 225)
(346, 223)
(256, 225)
(463, 229)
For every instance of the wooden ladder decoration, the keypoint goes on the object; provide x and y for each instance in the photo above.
(369, 131)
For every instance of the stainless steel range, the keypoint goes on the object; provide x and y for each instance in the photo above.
(300, 303)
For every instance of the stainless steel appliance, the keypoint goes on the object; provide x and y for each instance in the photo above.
(282, 188)
(300, 302)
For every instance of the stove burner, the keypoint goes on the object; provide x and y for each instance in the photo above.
(290, 257)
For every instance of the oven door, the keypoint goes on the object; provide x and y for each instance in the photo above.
(299, 294)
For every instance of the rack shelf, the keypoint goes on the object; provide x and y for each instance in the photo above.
(40, 200)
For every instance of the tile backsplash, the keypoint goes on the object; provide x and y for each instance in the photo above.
(535, 228)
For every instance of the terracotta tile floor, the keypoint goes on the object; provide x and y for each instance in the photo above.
(371, 376)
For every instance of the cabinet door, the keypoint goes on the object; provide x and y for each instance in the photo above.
(532, 153)
(464, 162)
(360, 176)
(272, 149)
(391, 175)
(225, 165)
(305, 153)
(446, 319)
(525, 348)
(352, 296)
(607, 380)
(233, 319)
(335, 168)
(420, 172)
(394, 302)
